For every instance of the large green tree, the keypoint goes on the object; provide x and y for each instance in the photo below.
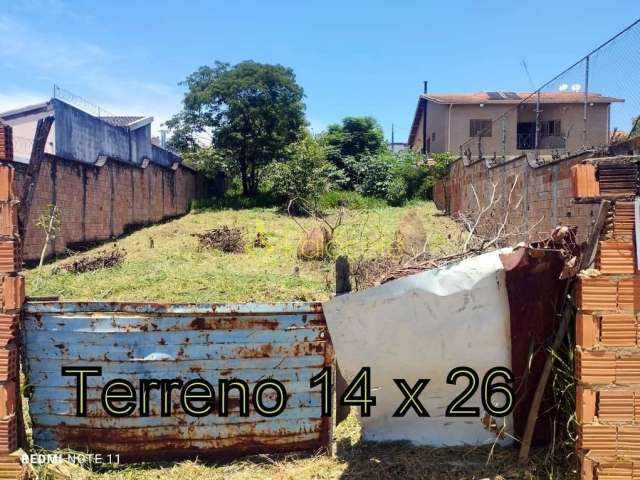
(352, 142)
(251, 112)
(635, 127)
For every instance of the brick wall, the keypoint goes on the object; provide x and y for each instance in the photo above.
(608, 355)
(6, 142)
(11, 300)
(540, 200)
(99, 203)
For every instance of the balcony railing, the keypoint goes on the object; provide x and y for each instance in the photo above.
(527, 141)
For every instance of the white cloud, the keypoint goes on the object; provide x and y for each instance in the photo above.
(88, 67)
(12, 98)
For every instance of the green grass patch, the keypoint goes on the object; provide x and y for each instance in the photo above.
(349, 199)
(176, 269)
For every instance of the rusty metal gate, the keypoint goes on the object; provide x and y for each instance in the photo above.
(288, 342)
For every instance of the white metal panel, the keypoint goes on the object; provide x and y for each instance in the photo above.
(423, 326)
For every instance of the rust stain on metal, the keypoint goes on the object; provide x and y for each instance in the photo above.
(287, 342)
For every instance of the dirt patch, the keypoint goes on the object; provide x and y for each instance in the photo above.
(107, 259)
(224, 238)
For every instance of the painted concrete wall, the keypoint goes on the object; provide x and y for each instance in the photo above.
(438, 127)
(505, 116)
(82, 137)
(163, 157)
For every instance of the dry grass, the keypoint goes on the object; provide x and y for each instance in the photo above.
(177, 270)
(352, 459)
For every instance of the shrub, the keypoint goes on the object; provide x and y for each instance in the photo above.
(375, 174)
(396, 194)
(412, 170)
(349, 199)
(234, 200)
(304, 176)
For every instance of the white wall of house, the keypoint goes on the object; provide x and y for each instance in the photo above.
(24, 130)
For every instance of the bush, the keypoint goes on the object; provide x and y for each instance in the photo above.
(376, 172)
(410, 167)
(349, 199)
(396, 194)
(234, 200)
(304, 176)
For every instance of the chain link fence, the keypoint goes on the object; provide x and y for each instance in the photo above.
(593, 104)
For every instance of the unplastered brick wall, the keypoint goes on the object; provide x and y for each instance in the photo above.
(6, 143)
(100, 203)
(11, 300)
(540, 197)
(608, 351)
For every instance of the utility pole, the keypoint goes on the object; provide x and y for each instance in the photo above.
(392, 136)
(424, 120)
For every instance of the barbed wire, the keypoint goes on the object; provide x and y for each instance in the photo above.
(80, 103)
(604, 85)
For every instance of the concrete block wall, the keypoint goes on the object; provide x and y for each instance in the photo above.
(541, 199)
(608, 355)
(100, 203)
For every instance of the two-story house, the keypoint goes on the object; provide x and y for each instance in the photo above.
(504, 123)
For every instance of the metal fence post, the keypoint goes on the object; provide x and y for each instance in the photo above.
(586, 103)
(537, 138)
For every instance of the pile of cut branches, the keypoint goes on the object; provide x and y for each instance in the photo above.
(107, 259)
(497, 231)
(224, 238)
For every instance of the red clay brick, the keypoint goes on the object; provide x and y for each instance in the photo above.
(6, 183)
(8, 434)
(12, 292)
(8, 399)
(585, 405)
(9, 256)
(596, 367)
(9, 362)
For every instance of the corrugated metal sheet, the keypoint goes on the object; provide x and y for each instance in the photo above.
(288, 342)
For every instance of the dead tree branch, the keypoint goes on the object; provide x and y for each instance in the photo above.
(33, 170)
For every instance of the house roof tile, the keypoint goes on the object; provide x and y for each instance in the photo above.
(506, 98)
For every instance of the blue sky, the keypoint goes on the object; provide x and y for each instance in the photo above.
(351, 57)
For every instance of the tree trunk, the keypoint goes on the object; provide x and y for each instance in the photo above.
(243, 173)
(245, 183)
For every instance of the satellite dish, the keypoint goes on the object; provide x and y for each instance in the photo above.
(576, 87)
(563, 87)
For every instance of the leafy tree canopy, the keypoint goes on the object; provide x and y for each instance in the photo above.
(635, 128)
(251, 112)
(356, 136)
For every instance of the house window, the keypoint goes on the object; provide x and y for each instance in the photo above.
(550, 128)
(479, 128)
(433, 136)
